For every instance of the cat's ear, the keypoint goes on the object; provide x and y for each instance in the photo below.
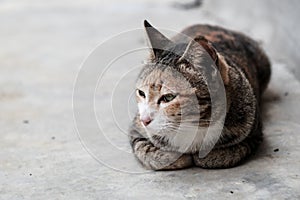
(157, 40)
(199, 47)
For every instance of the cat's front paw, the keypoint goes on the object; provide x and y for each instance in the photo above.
(184, 161)
(155, 159)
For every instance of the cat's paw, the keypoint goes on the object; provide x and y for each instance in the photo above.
(181, 162)
(155, 159)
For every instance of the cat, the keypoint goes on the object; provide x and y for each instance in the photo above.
(174, 99)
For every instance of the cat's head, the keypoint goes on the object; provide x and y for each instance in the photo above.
(171, 91)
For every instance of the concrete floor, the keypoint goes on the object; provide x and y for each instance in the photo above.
(43, 45)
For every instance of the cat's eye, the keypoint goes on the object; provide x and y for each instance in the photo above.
(166, 98)
(141, 93)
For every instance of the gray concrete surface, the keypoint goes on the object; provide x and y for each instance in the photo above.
(42, 47)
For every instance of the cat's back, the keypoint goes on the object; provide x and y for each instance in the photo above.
(238, 49)
(225, 41)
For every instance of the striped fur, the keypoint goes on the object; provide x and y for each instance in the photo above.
(183, 66)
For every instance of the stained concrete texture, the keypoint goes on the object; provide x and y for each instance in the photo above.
(43, 152)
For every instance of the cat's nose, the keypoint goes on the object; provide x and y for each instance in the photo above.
(146, 121)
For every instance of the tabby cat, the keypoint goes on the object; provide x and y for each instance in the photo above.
(175, 103)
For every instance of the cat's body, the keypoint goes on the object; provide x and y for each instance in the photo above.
(173, 98)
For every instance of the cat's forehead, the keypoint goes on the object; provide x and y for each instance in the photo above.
(165, 78)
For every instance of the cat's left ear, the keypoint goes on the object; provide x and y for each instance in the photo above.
(157, 40)
(200, 47)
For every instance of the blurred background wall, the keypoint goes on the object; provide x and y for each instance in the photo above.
(276, 22)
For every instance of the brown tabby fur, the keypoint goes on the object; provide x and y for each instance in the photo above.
(245, 71)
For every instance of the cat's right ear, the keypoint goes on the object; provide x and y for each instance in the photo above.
(201, 47)
(157, 40)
